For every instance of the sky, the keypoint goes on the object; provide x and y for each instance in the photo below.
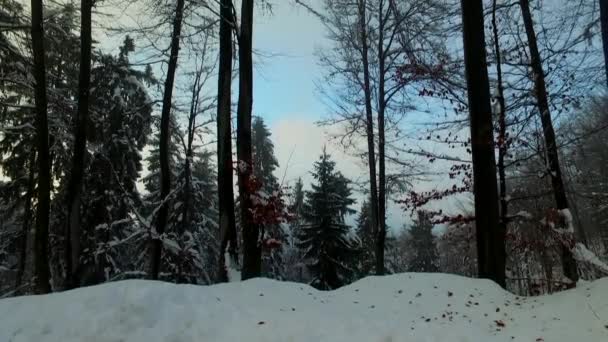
(284, 93)
(285, 96)
(286, 67)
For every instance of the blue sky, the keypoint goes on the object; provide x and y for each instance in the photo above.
(285, 72)
(286, 67)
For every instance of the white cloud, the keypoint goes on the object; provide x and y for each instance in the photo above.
(300, 142)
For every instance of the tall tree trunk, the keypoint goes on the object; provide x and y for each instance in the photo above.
(604, 21)
(165, 135)
(187, 196)
(252, 252)
(553, 165)
(74, 195)
(381, 231)
(369, 128)
(25, 227)
(224, 141)
(502, 127)
(490, 238)
(41, 261)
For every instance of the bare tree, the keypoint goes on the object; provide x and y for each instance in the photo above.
(490, 236)
(369, 129)
(502, 123)
(252, 252)
(224, 140)
(551, 150)
(372, 40)
(165, 123)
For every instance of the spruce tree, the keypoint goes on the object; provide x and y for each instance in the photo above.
(15, 148)
(18, 149)
(189, 246)
(296, 208)
(264, 161)
(422, 243)
(292, 254)
(264, 165)
(365, 234)
(121, 116)
(325, 236)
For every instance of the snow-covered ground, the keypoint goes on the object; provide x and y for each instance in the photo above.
(405, 307)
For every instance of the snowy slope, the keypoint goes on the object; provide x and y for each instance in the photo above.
(406, 307)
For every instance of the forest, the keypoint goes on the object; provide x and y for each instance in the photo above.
(479, 126)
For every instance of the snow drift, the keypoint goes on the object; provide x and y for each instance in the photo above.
(405, 307)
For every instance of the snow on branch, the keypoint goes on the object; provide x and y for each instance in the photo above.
(582, 254)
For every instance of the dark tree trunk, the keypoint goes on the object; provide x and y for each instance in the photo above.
(604, 21)
(187, 196)
(553, 165)
(381, 231)
(165, 135)
(73, 232)
(25, 227)
(41, 261)
(224, 141)
(252, 252)
(490, 238)
(369, 126)
(502, 127)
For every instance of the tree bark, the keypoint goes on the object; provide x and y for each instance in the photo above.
(25, 228)
(490, 241)
(252, 252)
(224, 142)
(604, 21)
(41, 261)
(381, 231)
(73, 232)
(369, 127)
(165, 135)
(502, 129)
(553, 165)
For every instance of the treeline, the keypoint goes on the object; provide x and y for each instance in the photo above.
(503, 99)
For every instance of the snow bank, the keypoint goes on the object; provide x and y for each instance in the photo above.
(405, 307)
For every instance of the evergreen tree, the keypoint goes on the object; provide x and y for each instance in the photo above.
(264, 165)
(152, 180)
(296, 208)
(121, 116)
(17, 145)
(325, 237)
(264, 161)
(365, 234)
(292, 254)
(422, 243)
(190, 246)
